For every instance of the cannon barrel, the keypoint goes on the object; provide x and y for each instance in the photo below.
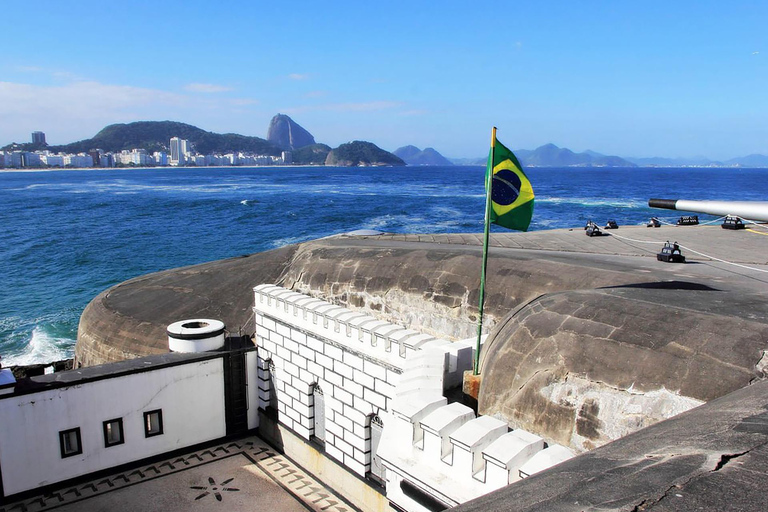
(751, 210)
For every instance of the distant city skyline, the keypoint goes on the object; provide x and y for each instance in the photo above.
(677, 79)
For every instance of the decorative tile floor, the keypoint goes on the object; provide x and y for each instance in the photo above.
(240, 475)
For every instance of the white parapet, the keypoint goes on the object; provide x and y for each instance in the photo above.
(438, 426)
(545, 459)
(470, 440)
(504, 457)
(433, 451)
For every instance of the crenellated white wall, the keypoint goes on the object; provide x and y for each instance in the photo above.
(354, 358)
(432, 451)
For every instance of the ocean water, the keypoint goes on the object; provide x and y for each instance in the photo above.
(65, 236)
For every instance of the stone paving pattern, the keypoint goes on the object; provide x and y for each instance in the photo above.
(295, 483)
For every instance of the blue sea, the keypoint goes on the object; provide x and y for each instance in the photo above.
(68, 235)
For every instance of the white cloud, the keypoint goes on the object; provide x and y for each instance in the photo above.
(78, 110)
(298, 76)
(206, 88)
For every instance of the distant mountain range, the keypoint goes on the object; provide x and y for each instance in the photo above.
(415, 156)
(550, 155)
(285, 134)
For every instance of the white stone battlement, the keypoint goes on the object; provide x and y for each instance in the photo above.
(363, 333)
(433, 450)
(332, 374)
(371, 394)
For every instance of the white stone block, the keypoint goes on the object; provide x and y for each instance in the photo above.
(283, 330)
(344, 446)
(291, 345)
(507, 454)
(364, 379)
(344, 396)
(334, 378)
(470, 439)
(316, 370)
(375, 370)
(545, 459)
(354, 415)
(438, 426)
(306, 352)
(352, 360)
(353, 387)
(343, 369)
(411, 411)
(376, 399)
(344, 423)
(384, 388)
(302, 430)
(354, 465)
(315, 344)
(334, 452)
(324, 361)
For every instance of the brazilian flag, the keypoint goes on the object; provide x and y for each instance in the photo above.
(511, 192)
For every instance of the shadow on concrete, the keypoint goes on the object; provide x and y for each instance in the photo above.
(665, 285)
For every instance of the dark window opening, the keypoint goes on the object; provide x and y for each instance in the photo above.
(70, 442)
(113, 432)
(153, 423)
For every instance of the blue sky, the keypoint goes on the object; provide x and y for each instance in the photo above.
(650, 78)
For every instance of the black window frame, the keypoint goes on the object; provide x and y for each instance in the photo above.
(119, 421)
(62, 442)
(160, 431)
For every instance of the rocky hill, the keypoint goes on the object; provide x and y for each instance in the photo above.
(361, 154)
(156, 135)
(415, 156)
(314, 154)
(286, 133)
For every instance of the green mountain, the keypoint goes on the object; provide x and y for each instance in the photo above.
(314, 154)
(361, 154)
(156, 135)
(415, 156)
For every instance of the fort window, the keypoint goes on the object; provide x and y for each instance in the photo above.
(153, 423)
(70, 443)
(113, 432)
(375, 426)
(318, 416)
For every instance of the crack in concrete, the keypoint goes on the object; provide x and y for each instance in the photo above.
(725, 459)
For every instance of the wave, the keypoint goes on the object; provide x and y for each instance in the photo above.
(592, 201)
(43, 347)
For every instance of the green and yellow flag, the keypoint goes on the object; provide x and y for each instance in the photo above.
(511, 192)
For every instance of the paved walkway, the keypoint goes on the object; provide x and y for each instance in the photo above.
(742, 246)
(242, 475)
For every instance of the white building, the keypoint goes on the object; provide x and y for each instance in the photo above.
(179, 150)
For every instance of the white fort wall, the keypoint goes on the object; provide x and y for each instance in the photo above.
(354, 359)
(370, 394)
(190, 396)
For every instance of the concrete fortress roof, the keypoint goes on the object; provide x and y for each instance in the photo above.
(590, 339)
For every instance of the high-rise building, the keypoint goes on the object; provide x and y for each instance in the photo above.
(38, 138)
(179, 151)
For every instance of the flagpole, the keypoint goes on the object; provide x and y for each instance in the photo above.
(486, 237)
